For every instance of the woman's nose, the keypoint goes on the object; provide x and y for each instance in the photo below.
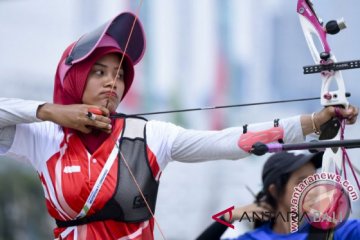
(109, 81)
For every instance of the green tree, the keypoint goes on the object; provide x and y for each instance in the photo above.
(23, 213)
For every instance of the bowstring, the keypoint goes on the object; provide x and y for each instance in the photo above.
(125, 49)
(107, 103)
(138, 187)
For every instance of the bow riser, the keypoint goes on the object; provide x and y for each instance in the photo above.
(336, 97)
(312, 27)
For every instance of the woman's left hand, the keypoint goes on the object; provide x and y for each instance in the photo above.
(314, 122)
(350, 114)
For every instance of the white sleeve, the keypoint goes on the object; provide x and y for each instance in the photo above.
(173, 143)
(15, 111)
(34, 143)
(160, 137)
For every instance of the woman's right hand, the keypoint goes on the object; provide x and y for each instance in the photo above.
(75, 116)
(262, 210)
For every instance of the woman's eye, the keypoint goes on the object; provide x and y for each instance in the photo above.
(99, 72)
(120, 76)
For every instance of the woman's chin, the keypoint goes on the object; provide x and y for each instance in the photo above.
(111, 106)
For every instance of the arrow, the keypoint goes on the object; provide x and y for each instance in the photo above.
(120, 115)
(261, 148)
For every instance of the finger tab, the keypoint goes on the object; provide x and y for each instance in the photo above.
(95, 111)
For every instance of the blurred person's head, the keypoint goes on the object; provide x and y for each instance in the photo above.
(281, 173)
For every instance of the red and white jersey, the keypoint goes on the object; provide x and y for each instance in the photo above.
(68, 173)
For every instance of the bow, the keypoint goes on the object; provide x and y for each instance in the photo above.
(335, 158)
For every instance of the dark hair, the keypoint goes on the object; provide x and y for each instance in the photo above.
(265, 196)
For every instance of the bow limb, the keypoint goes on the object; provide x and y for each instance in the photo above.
(315, 31)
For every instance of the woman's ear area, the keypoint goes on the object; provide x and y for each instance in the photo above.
(273, 191)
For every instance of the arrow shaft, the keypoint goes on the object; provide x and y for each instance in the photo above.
(351, 143)
(217, 107)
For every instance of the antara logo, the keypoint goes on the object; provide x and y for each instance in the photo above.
(217, 216)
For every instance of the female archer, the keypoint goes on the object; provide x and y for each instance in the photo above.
(281, 174)
(100, 174)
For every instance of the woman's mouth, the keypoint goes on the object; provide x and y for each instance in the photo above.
(111, 94)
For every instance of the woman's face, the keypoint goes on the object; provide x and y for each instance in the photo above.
(103, 75)
(296, 177)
